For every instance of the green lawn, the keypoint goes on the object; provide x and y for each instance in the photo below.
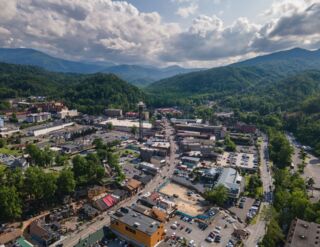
(9, 151)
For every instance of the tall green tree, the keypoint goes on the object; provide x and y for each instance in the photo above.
(87, 170)
(66, 182)
(230, 145)
(10, 204)
(134, 130)
(280, 149)
(218, 195)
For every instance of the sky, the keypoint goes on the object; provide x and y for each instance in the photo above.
(189, 33)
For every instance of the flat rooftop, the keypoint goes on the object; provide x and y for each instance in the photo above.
(126, 123)
(303, 233)
(136, 220)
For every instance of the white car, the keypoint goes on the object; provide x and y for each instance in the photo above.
(218, 228)
(191, 243)
(174, 226)
(209, 239)
(216, 231)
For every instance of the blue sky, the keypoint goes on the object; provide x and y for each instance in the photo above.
(228, 10)
(189, 33)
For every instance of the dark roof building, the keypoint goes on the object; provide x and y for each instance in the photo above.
(121, 194)
(43, 234)
(303, 234)
(89, 212)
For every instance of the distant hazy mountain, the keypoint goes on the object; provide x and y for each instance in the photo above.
(137, 75)
(143, 75)
(36, 58)
(293, 54)
(286, 62)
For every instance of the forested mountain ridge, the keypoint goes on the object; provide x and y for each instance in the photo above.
(296, 56)
(279, 95)
(135, 74)
(238, 77)
(88, 93)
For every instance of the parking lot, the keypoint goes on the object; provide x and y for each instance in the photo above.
(197, 236)
(246, 161)
(130, 170)
(246, 149)
(241, 212)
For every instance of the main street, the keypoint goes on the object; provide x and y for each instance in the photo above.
(258, 230)
(104, 219)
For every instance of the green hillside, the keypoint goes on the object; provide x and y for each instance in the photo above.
(237, 78)
(89, 93)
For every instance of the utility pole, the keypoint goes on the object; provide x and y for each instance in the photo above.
(141, 107)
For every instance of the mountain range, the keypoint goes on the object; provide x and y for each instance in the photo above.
(279, 89)
(135, 74)
(237, 78)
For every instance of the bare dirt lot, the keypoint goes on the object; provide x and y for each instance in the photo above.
(190, 205)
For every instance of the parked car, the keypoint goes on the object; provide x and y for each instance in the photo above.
(217, 239)
(209, 239)
(174, 226)
(216, 231)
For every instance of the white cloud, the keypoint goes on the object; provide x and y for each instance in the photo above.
(185, 12)
(88, 28)
(118, 31)
(8, 10)
(280, 8)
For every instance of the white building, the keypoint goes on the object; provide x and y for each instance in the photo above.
(65, 112)
(48, 129)
(1, 122)
(125, 125)
(5, 132)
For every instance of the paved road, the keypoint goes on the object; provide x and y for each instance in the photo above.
(257, 230)
(104, 219)
(296, 151)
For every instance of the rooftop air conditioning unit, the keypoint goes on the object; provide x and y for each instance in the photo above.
(136, 224)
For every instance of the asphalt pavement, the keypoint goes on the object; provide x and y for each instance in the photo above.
(258, 230)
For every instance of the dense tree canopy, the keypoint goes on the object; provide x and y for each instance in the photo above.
(10, 203)
(87, 170)
(218, 195)
(88, 93)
